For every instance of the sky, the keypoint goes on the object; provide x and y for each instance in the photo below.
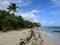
(47, 12)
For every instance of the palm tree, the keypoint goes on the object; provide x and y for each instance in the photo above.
(12, 8)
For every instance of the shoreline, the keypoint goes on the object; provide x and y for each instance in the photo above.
(51, 37)
(13, 37)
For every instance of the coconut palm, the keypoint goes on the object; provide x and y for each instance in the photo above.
(12, 8)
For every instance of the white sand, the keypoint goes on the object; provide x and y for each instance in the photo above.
(13, 38)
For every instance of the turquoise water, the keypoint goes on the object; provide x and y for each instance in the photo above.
(55, 29)
(52, 32)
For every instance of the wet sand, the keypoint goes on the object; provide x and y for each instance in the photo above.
(50, 38)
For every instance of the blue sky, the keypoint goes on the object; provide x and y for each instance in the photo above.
(45, 11)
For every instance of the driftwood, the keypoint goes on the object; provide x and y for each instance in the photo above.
(28, 39)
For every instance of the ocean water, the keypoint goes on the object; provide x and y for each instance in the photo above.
(55, 29)
(52, 32)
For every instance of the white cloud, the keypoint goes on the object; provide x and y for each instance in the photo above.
(35, 11)
(4, 3)
(21, 2)
(48, 23)
(30, 16)
(56, 2)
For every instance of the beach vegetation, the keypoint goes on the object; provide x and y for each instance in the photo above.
(9, 21)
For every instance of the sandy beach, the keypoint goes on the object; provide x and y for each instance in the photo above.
(13, 38)
(47, 40)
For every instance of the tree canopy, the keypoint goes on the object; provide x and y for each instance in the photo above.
(11, 21)
(12, 7)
